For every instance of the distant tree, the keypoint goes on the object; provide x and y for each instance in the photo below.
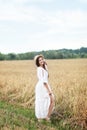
(49, 54)
(82, 55)
(2, 57)
(83, 50)
(11, 56)
(60, 55)
(26, 56)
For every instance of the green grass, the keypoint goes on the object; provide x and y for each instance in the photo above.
(13, 117)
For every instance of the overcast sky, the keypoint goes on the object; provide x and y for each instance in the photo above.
(36, 25)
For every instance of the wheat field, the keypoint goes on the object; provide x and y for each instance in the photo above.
(67, 78)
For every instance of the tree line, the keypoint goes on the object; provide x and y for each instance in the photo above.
(49, 54)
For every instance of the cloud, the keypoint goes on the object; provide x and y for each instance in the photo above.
(35, 1)
(27, 1)
(31, 24)
(16, 13)
(68, 18)
(54, 22)
(83, 1)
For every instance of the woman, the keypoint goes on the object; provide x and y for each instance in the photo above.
(44, 99)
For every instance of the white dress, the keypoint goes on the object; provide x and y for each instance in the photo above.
(42, 99)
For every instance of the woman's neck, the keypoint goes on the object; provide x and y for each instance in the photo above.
(43, 66)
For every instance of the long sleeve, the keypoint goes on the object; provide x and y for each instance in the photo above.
(42, 75)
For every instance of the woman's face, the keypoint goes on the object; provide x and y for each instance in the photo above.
(41, 61)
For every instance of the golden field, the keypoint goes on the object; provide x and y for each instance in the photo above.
(68, 79)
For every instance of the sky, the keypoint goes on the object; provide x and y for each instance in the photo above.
(36, 25)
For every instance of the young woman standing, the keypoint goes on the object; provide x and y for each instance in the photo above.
(44, 98)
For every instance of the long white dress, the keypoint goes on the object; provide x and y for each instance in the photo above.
(42, 99)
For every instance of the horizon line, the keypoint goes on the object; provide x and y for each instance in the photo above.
(43, 50)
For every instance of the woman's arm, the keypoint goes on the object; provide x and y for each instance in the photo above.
(49, 91)
(44, 80)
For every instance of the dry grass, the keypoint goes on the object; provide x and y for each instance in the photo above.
(68, 79)
(17, 81)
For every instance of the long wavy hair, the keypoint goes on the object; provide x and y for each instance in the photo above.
(37, 61)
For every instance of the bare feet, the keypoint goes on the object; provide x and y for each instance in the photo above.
(48, 119)
(39, 120)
